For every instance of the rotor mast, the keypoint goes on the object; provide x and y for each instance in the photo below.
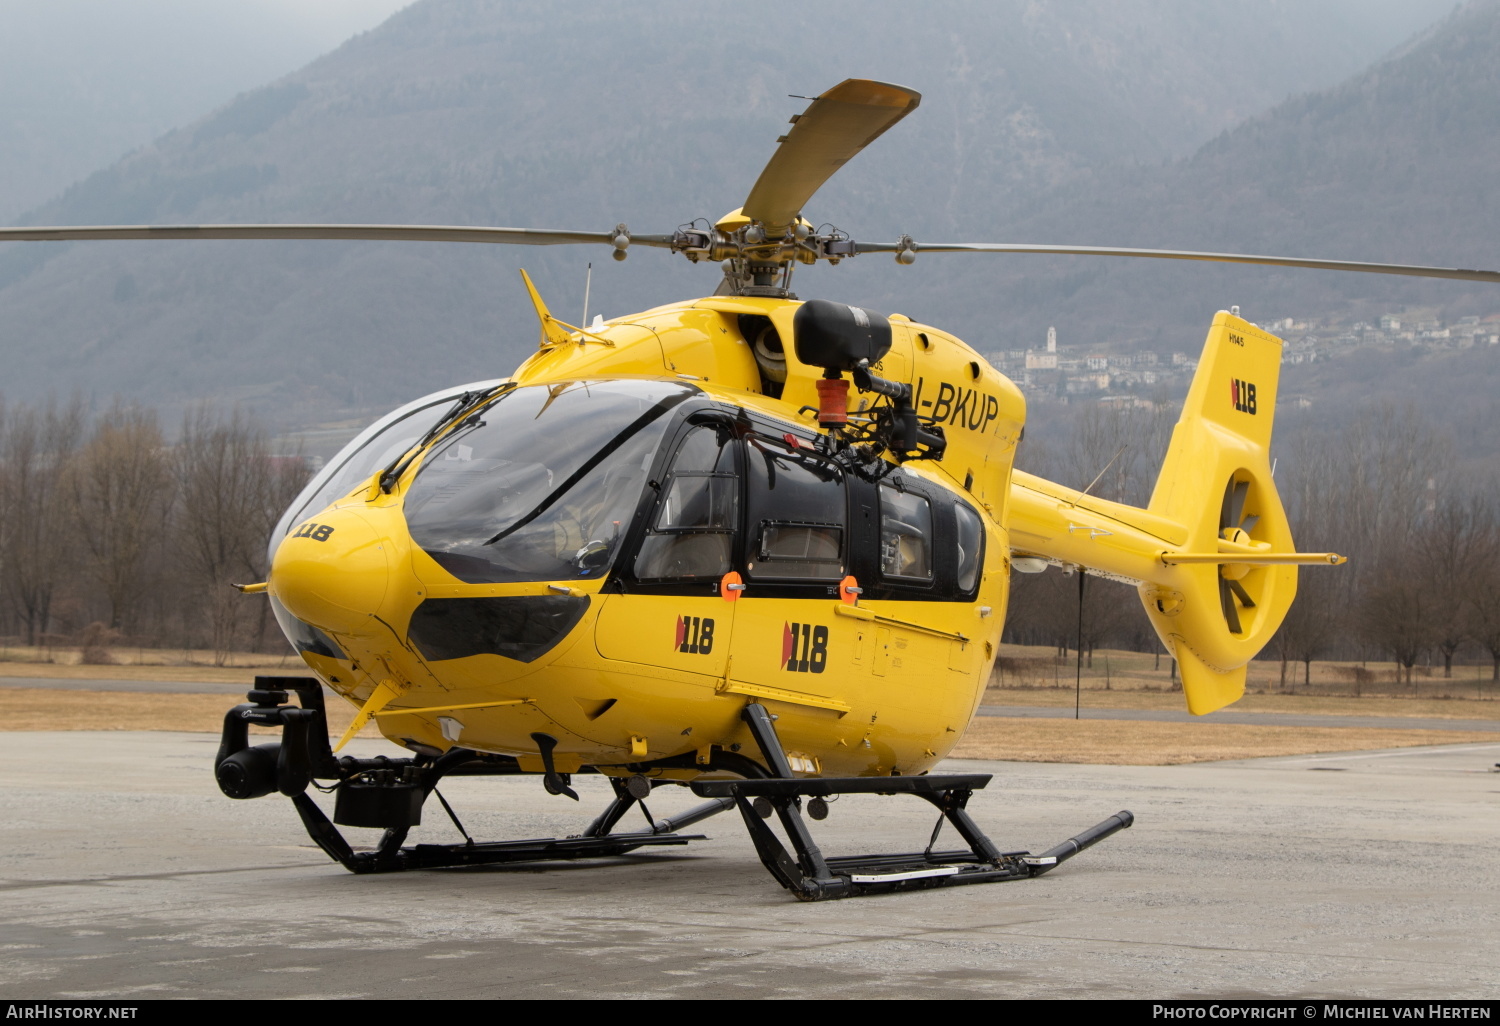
(760, 243)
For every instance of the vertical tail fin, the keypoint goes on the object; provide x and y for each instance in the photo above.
(1216, 482)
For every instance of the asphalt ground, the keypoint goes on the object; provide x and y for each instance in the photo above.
(1373, 874)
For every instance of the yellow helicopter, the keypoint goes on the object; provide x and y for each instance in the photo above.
(752, 545)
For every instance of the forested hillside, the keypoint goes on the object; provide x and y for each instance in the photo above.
(458, 111)
(1396, 164)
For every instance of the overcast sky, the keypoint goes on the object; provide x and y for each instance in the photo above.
(84, 81)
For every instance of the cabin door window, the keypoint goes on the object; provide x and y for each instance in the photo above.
(691, 536)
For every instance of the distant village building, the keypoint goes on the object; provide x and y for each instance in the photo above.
(1051, 372)
(1046, 360)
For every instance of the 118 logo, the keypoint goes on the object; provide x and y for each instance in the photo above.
(813, 642)
(1242, 394)
(695, 635)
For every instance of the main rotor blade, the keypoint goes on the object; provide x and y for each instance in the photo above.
(837, 125)
(1414, 270)
(367, 232)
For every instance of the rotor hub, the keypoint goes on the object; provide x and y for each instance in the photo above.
(758, 260)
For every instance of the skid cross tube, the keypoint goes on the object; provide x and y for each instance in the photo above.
(304, 754)
(623, 800)
(812, 876)
(390, 793)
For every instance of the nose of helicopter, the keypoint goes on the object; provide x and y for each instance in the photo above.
(332, 571)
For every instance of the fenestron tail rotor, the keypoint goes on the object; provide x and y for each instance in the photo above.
(1235, 527)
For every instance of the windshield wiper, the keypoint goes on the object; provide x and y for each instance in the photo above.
(467, 403)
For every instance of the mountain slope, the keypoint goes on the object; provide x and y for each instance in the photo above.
(1397, 164)
(82, 82)
(503, 113)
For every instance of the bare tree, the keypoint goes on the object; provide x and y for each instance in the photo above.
(231, 490)
(1446, 545)
(35, 547)
(1314, 496)
(1311, 625)
(1482, 595)
(1032, 613)
(1397, 613)
(1122, 447)
(121, 493)
(1108, 611)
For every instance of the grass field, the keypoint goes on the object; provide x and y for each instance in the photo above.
(56, 709)
(1310, 705)
(1022, 668)
(144, 664)
(1115, 742)
(1025, 677)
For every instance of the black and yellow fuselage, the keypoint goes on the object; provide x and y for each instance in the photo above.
(673, 544)
(645, 527)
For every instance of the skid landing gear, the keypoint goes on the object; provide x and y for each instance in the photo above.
(811, 876)
(390, 793)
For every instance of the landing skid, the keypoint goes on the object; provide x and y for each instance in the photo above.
(811, 876)
(390, 793)
(390, 859)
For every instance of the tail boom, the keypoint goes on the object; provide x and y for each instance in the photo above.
(1212, 554)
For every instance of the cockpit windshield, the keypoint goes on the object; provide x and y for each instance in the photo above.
(541, 484)
(383, 446)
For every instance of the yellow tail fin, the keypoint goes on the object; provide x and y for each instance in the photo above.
(1212, 554)
(1216, 482)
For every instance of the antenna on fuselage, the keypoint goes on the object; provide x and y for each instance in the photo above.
(588, 280)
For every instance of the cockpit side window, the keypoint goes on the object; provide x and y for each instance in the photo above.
(905, 535)
(692, 532)
(970, 541)
(797, 514)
